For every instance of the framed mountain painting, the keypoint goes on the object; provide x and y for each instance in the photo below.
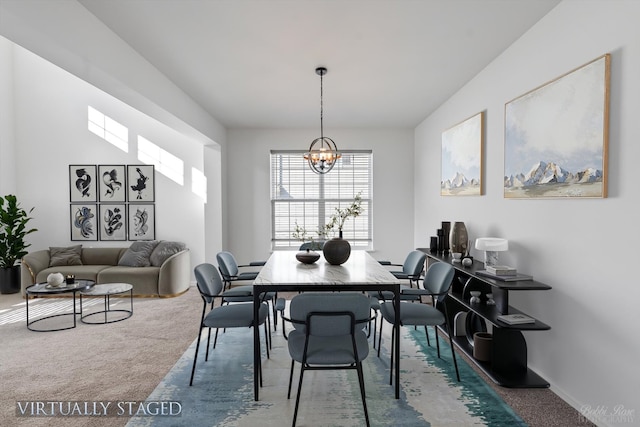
(556, 136)
(462, 158)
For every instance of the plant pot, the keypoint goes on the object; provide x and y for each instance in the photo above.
(10, 280)
(336, 251)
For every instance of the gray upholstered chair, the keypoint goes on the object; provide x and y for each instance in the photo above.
(411, 268)
(314, 245)
(411, 271)
(328, 334)
(239, 315)
(230, 272)
(436, 283)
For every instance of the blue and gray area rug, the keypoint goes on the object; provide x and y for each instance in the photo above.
(222, 393)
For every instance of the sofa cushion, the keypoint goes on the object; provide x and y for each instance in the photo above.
(138, 254)
(65, 256)
(164, 250)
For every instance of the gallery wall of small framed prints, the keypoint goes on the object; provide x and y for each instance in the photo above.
(112, 202)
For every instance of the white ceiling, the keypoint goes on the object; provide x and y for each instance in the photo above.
(250, 63)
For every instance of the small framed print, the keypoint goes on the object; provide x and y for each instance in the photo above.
(141, 183)
(83, 221)
(113, 222)
(112, 185)
(82, 184)
(142, 221)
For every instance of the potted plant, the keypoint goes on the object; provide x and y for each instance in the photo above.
(13, 229)
(340, 216)
(337, 250)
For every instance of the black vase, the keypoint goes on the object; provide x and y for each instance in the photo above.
(336, 251)
(10, 280)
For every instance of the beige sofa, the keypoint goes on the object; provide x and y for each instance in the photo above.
(171, 278)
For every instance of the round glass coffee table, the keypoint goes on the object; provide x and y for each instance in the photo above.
(44, 289)
(109, 314)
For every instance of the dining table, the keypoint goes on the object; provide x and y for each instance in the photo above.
(361, 272)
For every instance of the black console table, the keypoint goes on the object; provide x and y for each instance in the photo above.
(508, 365)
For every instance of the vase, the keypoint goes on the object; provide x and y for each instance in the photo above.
(446, 230)
(307, 256)
(458, 238)
(336, 251)
(482, 346)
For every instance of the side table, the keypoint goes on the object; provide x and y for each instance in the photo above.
(107, 290)
(43, 289)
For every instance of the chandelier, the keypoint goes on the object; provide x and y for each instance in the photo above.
(323, 153)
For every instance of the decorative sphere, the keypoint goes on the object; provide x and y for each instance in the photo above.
(55, 279)
(467, 262)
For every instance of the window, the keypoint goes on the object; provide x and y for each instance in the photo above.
(300, 195)
(108, 129)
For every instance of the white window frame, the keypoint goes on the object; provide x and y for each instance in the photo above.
(299, 194)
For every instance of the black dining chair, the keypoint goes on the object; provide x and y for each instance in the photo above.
(328, 334)
(236, 315)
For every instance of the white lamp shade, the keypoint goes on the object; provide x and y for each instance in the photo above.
(493, 244)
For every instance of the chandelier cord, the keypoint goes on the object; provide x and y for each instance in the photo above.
(321, 107)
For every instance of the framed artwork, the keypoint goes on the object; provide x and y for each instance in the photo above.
(141, 183)
(112, 184)
(113, 220)
(557, 136)
(462, 158)
(83, 222)
(141, 219)
(82, 183)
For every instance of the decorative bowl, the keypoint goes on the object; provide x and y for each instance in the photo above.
(307, 257)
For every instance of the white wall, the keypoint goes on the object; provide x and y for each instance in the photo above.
(50, 119)
(584, 249)
(7, 165)
(247, 209)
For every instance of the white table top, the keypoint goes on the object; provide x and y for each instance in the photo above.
(361, 268)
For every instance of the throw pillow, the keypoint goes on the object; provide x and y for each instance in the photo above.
(65, 256)
(164, 250)
(138, 254)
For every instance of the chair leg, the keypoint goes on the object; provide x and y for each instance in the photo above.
(208, 344)
(380, 334)
(290, 379)
(435, 330)
(393, 346)
(362, 392)
(195, 357)
(295, 411)
(453, 353)
(267, 334)
(215, 339)
(269, 340)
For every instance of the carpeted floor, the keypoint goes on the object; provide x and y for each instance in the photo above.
(126, 361)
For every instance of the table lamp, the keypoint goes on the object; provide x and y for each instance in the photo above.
(491, 246)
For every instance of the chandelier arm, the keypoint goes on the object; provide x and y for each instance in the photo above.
(323, 152)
